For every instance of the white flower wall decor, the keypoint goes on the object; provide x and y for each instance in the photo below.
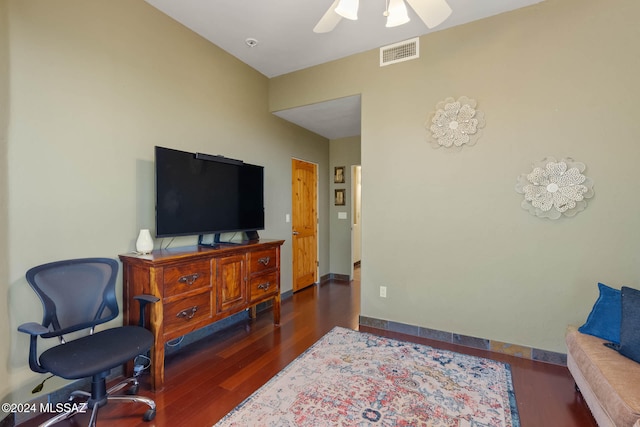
(455, 123)
(555, 188)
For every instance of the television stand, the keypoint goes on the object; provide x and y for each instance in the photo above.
(214, 243)
(252, 236)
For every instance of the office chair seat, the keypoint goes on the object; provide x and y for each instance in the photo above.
(98, 352)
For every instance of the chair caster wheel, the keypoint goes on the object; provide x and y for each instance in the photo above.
(133, 390)
(149, 415)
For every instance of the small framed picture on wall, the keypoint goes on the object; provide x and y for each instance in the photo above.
(340, 197)
(338, 175)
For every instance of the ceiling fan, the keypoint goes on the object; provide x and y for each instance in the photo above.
(431, 12)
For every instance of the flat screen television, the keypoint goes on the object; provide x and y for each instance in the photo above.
(201, 194)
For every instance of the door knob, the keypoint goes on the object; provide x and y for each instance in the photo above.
(295, 233)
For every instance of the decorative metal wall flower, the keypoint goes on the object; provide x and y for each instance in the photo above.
(553, 189)
(455, 123)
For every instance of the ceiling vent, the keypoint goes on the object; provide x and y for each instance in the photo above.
(398, 52)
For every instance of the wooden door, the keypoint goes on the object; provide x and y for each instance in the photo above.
(304, 196)
(231, 279)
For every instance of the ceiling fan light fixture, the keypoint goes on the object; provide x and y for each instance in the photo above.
(431, 12)
(348, 9)
(396, 14)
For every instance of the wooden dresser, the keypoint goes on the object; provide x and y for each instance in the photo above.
(198, 286)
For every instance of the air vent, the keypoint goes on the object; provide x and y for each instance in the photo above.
(398, 52)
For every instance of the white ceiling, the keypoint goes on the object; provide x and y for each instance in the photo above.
(286, 41)
(338, 118)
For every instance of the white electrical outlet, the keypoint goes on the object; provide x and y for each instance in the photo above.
(383, 291)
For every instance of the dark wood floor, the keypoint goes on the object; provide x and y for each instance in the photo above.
(207, 379)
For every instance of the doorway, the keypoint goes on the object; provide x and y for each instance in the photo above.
(304, 223)
(356, 214)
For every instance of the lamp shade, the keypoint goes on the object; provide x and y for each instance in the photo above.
(432, 12)
(348, 9)
(397, 13)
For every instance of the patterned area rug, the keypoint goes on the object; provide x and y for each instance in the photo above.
(350, 378)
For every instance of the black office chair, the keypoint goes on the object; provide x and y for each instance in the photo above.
(78, 295)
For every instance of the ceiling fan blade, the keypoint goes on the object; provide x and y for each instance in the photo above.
(329, 20)
(432, 12)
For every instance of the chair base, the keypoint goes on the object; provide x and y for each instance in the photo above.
(93, 404)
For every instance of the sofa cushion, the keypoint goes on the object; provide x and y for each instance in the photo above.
(605, 317)
(630, 324)
(613, 378)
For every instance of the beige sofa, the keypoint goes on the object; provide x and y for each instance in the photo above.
(608, 381)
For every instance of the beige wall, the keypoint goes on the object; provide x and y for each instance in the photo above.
(4, 123)
(443, 229)
(95, 85)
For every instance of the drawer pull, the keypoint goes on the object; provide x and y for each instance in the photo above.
(189, 279)
(264, 260)
(188, 313)
(264, 286)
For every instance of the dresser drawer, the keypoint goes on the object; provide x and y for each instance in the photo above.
(187, 311)
(264, 285)
(186, 277)
(262, 260)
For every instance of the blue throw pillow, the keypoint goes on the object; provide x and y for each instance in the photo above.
(630, 326)
(606, 315)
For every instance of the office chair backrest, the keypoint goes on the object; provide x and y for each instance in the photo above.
(76, 294)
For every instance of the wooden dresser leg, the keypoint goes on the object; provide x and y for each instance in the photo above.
(276, 310)
(157, 366)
